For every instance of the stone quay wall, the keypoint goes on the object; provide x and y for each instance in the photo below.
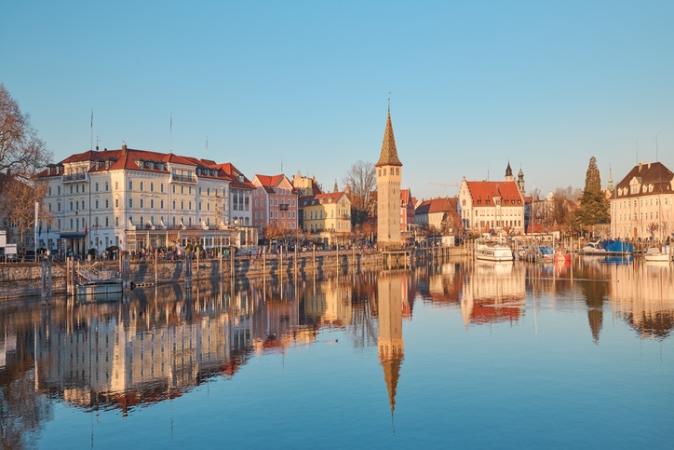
(25, 279)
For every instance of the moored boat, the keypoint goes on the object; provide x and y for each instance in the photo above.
(663, 254)
(493, 251)
(562, 255)
(593, 248)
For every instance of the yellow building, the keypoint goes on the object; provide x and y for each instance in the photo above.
(327, 215)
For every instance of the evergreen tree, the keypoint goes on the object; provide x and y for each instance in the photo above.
(594, 206)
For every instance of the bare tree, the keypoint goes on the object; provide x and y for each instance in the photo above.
(22, 153)
(361, 181)
(18, 204)
(652, 229)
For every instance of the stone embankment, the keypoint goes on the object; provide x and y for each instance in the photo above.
(25, 279)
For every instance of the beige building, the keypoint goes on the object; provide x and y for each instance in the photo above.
(389, 177)
(137, 199)
(486, 206)
(430, 213)
(642, 204)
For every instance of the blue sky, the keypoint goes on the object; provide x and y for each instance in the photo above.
(304, 84)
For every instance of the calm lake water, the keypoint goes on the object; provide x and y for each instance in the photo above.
(464, 355)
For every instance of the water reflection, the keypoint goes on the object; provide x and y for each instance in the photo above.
(391, 295)
(161, 342)
(643, 295)
(494, 292)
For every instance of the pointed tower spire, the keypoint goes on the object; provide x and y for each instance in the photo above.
(389, 152)
(509, 173)
(610, 179)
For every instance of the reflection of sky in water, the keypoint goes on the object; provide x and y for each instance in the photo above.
(472, 355)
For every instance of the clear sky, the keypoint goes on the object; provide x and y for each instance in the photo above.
(545, 85)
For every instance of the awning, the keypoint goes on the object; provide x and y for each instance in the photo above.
(72, 235)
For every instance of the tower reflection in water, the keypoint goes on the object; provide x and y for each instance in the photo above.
(391, 295)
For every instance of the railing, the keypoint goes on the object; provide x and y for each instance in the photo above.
(184, 178)
(74, 177)
(283, 206)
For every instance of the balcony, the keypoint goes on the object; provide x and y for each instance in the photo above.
(283, 206)
(74, 177)
(175, 178)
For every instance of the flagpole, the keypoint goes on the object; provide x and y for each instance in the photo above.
(92, 130)
(37, 207)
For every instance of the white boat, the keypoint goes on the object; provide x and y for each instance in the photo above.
(656, 254)
(593, 248)
(488, 251)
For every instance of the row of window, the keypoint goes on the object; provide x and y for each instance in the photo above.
(642, 216)
(382, 172)
(642, 202)
(76, 188)
(274, 202)
(491, 212)
(274, 215)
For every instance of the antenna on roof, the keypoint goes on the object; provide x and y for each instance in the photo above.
(92, 130)
(656, 148)
(389, 101)
(171, 132)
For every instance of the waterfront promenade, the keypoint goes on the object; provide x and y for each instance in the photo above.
(19, 280)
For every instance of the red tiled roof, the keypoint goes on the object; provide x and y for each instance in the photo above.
(269, 180)
(436, 205)
(126, 159)
(329, 198)
(405, 196)
(482, 190)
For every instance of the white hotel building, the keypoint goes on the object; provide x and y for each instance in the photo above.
(136, 199)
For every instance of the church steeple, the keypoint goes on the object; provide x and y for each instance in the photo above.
(509, 173)
(610, 179)
(389, 152)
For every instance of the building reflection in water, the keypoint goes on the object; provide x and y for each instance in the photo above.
(494, 292)
(162, 342)
(643, 294)
(391, 299)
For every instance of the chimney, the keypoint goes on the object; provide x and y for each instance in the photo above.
(640, 163)
(649, 163)
(123, 147)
